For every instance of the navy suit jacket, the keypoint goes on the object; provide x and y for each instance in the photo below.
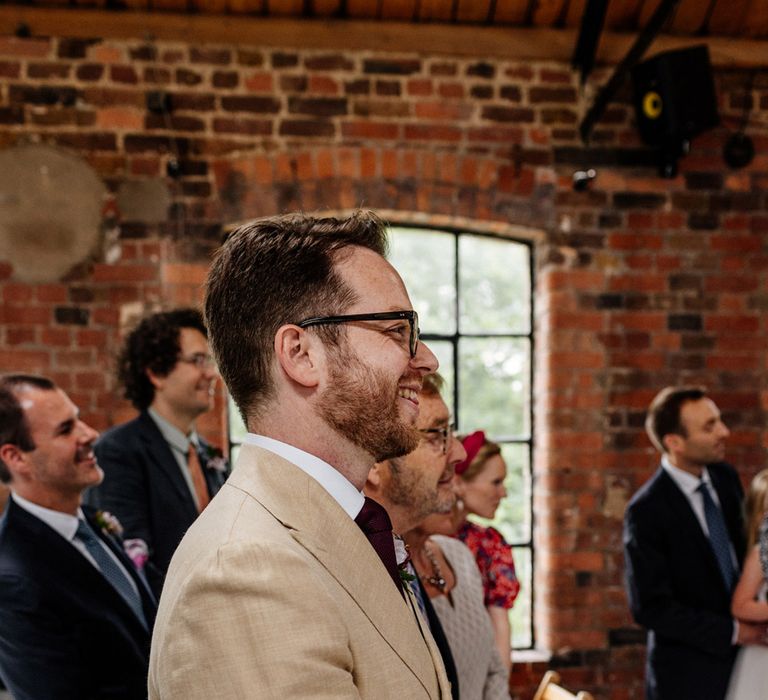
(65, 632)
(144, 487)
(676, 590)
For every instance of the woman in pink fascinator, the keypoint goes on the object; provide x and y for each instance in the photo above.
(480, 487)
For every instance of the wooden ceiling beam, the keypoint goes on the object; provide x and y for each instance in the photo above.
(506, 43)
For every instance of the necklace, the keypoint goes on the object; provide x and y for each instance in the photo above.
(437, 579)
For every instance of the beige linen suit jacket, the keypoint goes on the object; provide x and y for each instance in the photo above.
(274, 592)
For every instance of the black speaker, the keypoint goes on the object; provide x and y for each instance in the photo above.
(674, 96)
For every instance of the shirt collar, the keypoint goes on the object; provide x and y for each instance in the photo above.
(338, 487)
(687, 482)
(172, 435)
(64, 523)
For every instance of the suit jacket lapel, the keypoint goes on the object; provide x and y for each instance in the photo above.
(321, 526)
(158, 453)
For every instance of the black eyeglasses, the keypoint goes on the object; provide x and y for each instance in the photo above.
(446, 435)
(198, 359)
(411, 316)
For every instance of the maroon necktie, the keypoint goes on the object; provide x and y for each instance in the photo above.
(374, 521)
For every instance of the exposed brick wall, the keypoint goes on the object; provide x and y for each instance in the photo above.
(640, 281)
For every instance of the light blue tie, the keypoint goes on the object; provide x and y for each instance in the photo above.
(718, 537)
(416, 588)
(112, 572)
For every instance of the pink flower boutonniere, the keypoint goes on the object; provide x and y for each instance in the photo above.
(214, 459)
(137, 552)
(108, 523)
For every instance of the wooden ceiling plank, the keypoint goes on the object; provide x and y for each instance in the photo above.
(245, 7)
(398, 9)
(435, 10)
(511, 12)
(547, 12)
(756, 19)
(326, 8)
(575, 13)
(170, 5)
(362, 9)
(622, 15)
(646, 12)
(690, 17)
(462, 41)
(473, 10)
(285, 8)
(731, 18)
(208, 6)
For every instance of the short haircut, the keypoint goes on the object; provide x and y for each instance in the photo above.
(153, 345)
(433, 384)
(271, 272)
(14, 427)
(663, 416)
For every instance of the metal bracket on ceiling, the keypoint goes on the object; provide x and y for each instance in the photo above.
(662, 13)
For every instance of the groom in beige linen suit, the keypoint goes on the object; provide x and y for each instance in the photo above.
(275, 592)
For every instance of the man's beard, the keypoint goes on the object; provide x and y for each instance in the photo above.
(407, 488)
(361, 405)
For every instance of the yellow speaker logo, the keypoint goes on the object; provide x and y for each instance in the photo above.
(652, 105)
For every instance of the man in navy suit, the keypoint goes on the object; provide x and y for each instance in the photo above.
(75, 612)
(159, 473)
(683, 547)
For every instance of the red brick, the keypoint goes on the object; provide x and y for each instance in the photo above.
(52, 293)
(91, 338)
(34, 361)
(25, 315)
(731, 324)
(20, 336)
(419, 87)
(324, 85)
(123, 273)
(370, 130)
(60, 337)
(17, 293)
(451, 90)
(33, 48)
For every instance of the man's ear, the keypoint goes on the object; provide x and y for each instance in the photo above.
(672, 442)
(299, 354)
(155, 379)
(12, 457)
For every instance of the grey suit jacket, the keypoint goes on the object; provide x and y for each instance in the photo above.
(274, 592)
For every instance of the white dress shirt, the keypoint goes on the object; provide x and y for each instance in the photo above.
(338, 487)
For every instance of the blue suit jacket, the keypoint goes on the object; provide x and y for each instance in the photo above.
(144, 487)
(65, 632)
(675, 588)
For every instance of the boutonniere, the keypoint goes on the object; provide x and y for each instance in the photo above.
(403, 556)
(214, 458)
(108, 523)
(137, 552)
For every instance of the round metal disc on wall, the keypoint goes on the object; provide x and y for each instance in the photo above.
(50, 211)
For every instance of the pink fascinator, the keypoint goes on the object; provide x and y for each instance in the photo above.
(472, 444)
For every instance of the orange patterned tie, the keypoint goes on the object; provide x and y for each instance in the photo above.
(198, 480)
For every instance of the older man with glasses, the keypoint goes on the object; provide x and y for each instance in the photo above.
(159, 473)
(420, 484)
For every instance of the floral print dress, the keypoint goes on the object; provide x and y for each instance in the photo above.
(494, 559)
